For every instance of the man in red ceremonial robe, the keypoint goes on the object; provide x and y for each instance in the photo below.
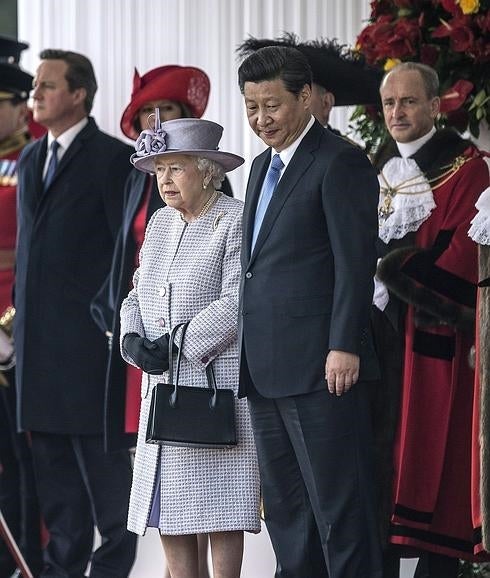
(426, 295)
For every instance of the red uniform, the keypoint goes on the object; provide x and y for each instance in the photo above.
(434, 499)
(10, 150)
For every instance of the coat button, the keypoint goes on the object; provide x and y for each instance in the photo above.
(248, 275)
(160, 322)
(162, 291)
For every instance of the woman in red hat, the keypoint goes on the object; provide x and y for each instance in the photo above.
(178, 92)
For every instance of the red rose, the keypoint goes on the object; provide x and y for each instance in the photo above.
(450, 6)
(405, 39)
(481, 50)
(459, 33)
(373, 40)
(454, 97)
(462, 37)
(380, 7)
(483, 21)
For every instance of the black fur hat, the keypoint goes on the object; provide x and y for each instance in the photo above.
(335, 67)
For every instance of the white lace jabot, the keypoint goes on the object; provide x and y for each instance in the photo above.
(405, 199)
(480, 225)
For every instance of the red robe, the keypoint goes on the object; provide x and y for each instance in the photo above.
(10, 150)
(434, 499)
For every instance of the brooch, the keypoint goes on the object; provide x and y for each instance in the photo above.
(217, 219)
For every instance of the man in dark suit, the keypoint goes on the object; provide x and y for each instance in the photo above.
(305, 298)
(69, 212)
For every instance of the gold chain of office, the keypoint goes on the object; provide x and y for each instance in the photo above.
(403, 188)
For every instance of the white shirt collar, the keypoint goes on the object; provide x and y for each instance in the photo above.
(407, 149)
(287, 154)
(65, 139)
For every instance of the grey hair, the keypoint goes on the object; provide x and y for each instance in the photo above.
(428, 75)
(213, 168)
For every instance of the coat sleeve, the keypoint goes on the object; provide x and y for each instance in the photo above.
(103, 305)
(131, 319)
(115, 187)
(350, 199)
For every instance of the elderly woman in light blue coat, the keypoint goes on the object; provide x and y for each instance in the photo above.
(189, 270)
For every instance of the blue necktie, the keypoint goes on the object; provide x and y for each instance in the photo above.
(268, 187)
(53, 164)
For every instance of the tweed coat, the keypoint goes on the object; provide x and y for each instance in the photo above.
(190, 271)
(107, 303)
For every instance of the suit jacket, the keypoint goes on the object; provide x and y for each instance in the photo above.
(307, 287)
(65, 243)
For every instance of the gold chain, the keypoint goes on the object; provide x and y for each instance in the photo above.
(389, 192)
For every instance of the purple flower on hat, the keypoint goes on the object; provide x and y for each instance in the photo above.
(151, 142)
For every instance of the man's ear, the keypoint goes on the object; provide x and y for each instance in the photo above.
(435, 106)
(328, 101)
(305, 95)
(79, 95)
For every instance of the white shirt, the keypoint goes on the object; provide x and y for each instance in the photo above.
(287, 154)
(64, 140)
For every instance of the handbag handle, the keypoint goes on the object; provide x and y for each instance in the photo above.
(171, 340)
(212, 385)
(211, 378)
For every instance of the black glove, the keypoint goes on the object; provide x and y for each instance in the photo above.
(150, 356)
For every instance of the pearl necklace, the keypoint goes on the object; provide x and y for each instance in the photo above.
(205, 208)
(208, 204)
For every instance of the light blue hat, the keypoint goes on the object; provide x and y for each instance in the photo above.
(186, 136)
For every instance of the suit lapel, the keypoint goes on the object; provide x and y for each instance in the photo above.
(297, 167)
(72, 151)
(40, 159)
(257, 175)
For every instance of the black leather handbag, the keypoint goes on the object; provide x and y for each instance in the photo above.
(191, 416)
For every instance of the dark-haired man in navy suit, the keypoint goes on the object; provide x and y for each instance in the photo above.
(69, 212)
(306, 296)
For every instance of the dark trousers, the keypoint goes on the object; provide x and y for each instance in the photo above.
(315, 455)
(80, 486)
(18, 498)
(429, 565)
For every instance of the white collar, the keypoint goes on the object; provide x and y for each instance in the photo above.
(287, 154)
(66, 138)
(407, 149)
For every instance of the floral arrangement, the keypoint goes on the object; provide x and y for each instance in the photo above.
(452, 36)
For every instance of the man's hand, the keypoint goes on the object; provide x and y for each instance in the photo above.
(341, 371)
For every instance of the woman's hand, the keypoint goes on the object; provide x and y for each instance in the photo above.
(150, 356)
